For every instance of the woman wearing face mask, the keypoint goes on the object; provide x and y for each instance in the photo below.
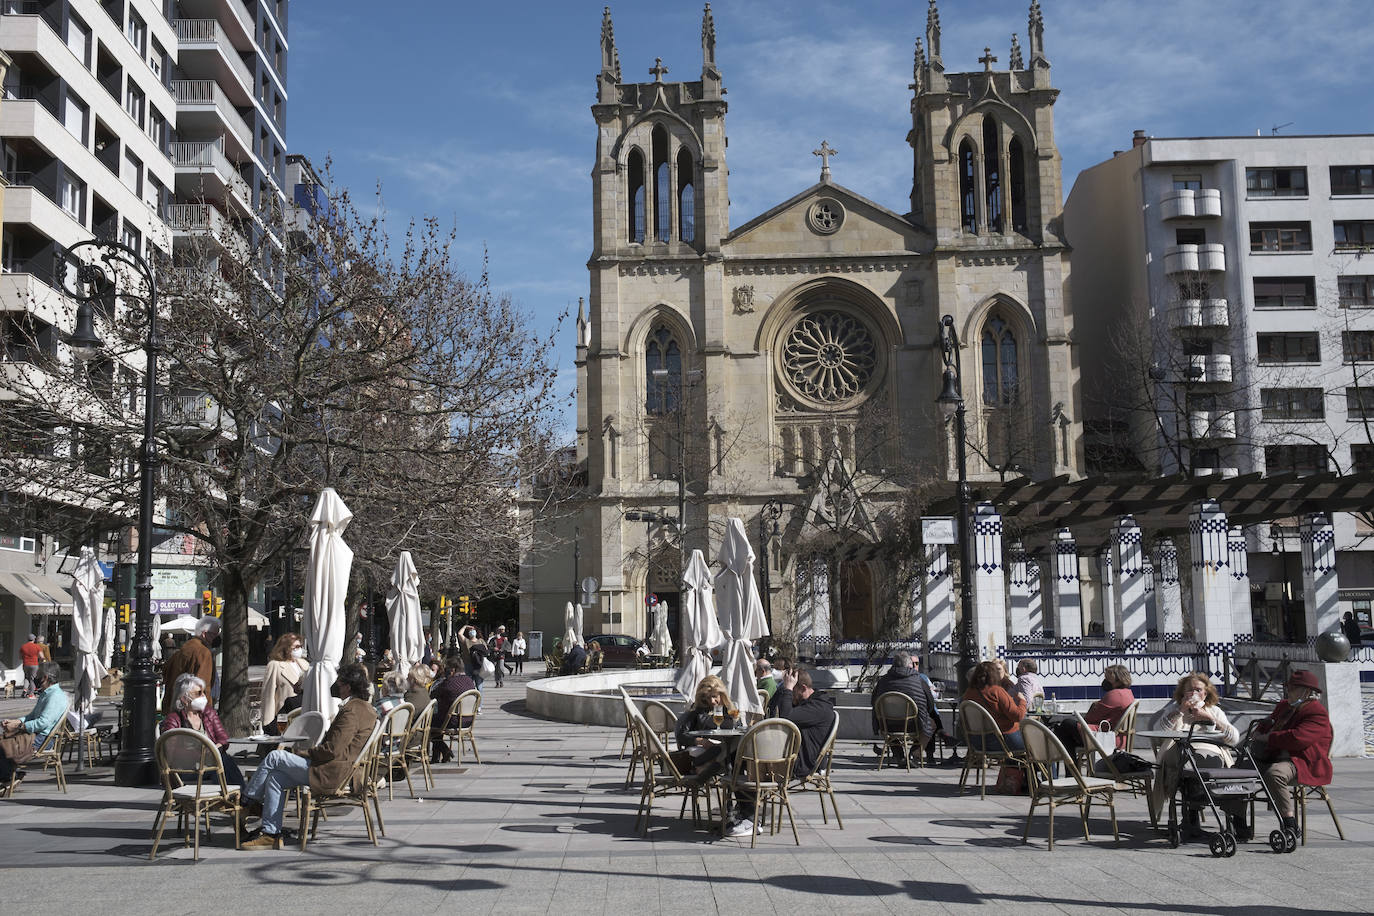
(281, 685)
(190, 709)
(1195, 705)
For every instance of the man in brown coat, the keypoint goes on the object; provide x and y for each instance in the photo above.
(192, 658)
(323, 767)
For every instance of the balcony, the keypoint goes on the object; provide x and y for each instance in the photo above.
(1193, 315)
(1211, 424)
(204, 171)
(203, 107)
(1209, 370)
(1215, 472)
(1185, 259)
(1203, 204)
(204, 50)
(189, 411)
(205, 220)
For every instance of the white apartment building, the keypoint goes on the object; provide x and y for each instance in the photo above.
(1224, 291)
(149, 122)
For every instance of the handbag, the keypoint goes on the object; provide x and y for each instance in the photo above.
(17, 748)
(1011, 780)
(1126, 762)
(487, 668)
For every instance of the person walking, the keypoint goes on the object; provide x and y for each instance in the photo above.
(519, 648)
(31, 656)
(496, 651)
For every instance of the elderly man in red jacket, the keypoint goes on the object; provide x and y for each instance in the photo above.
(1294, 744)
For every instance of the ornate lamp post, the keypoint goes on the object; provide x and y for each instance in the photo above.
(951, 401)
(768, 531)
(96, 280)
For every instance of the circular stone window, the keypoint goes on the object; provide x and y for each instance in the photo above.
(829, 357)
(825, 216)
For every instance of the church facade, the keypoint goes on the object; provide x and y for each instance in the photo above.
(785, 369)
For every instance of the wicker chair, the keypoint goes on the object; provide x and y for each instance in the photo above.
(1301, 793)
(819, 778)
(1045, 752)
(899, 727)
(763, 767)
(357, 790)
(193, 786)
(662, 777)
(1100, 765)
(465, 706)
(391, 747)
(417, 747)
(990, 746)
(48, 756)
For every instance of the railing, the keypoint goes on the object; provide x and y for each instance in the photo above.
(210, 154)
(207, 92)
(208, 31)
(187, 409)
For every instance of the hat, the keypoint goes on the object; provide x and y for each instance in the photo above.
(500, 628)
(1300, 678)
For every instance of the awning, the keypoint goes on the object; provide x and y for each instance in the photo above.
(38, 594)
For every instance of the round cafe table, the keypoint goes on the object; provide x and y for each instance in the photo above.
(730, 737)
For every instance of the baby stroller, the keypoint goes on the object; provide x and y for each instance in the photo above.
(1224, 791)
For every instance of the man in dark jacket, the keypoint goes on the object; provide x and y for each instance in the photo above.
(905, 677)
(814, 714)
(573, 660)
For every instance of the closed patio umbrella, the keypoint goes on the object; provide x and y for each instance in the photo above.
(662, 639)
(88, 594)
(107, 638)
(700, 628)
(403, 610)
(741, 617)
(157, 634)
(326, 586)
(572, 625)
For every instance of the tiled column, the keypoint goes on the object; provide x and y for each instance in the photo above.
(1111, 616)
(1212, 582)
(1066, 591)
(989, 583)
(813, 600)
(937, 601)
(1319, 575)
(1035, 609)
(1018, 568)
(1129, 561)
(1151, 597)
(1242, 620)
(1168, 594)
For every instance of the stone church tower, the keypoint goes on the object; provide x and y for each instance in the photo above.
(785, 370)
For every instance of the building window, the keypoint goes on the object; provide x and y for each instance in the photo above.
(1285, 182)
(1000, 378)
(1295, 459)
(1194, 288)
(1285, 292)
(1190, 236)
(1357, 346)
(636, 199)
(157, 129)
(74, 117)
(137, 33)
(1292, 236)
(1187, 182)
(73, 197)
(130, 236)
(132, 173)
(1354, 233)
(1292, 404)
(156, 60)
(1359, 402)
(17, 542)
(662, 352)
(79, 40)
(1299, 347)
(133, 103)
(1016, 157)
(992, 174)
(663, 187)
(686, 197)
(1356, 291)
(1349, 180)
(968, 180)
(1362, 458)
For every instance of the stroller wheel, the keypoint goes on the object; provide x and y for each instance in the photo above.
(1228, 845)
(1290, 839)
(1276, 841)
(1217, 845)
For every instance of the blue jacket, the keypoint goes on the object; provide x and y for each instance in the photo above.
(52, 705)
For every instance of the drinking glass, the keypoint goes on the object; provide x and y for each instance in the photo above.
(732, 713)
(717, 715)
(255, 724)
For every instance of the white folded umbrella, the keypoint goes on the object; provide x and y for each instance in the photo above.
(88, 594)
(326, 586)
(700, 629)
(403, 610)
(741, 616)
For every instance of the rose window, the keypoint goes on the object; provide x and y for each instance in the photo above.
(829, 357)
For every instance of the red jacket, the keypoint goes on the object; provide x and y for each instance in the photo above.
(1306, 736)
(1006, 711)
(214, 728)
(1111, 707)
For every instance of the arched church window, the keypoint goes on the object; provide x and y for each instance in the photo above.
(968, 196)
(1016, 157)
(663, 389)
(635, 217)
(1000, 369)
(686, 197)
(992, 173)
(663, 187)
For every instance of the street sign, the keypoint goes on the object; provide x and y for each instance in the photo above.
(651, 600)
(938, 529)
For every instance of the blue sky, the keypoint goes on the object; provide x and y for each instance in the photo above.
(478, 113)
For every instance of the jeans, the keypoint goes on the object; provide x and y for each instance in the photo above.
(30, 672)
(280, 772)
(1014, 741)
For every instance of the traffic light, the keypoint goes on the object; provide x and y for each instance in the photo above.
(124, 615)
(219, 606)
(465, 606)
(207, 602)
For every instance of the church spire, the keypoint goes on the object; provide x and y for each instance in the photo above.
(918, 66)
(708, 40)
(610, 57)
(1015, 62)
(1035, 34)
(933, 36)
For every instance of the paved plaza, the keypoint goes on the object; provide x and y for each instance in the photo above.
(544, 825)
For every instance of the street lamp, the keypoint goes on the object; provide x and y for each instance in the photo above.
(951, 401)
(768, 531)
(135, 765)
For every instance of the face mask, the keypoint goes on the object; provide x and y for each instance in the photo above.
(199, 704)
(298, 652)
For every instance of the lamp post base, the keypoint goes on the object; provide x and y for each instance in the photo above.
(136, 764)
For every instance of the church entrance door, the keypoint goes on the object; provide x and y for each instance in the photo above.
(856, 595)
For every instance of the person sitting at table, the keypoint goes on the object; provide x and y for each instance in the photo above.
(322, 767)
(781, 666)
(453, 684)
(1194, 705)
(281, 682)
(1116, 699)
(1292, 745)
(991, 688)
(905, 677)
(191, 709)
(573, 660)
(47, 714)
(703, 756)
(813, 713)
(418, 682)
(1028, 682)
(393, 692)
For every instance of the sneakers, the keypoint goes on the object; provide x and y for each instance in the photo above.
(743, 827)
(263, 841)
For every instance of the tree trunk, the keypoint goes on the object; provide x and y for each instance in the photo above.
(234, 706)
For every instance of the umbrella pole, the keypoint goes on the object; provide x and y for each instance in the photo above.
(81, 730)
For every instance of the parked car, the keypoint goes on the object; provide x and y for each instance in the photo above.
(618, 650)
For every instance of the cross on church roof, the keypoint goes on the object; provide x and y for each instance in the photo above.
(987, 60)
(825, 152)
(658, 70)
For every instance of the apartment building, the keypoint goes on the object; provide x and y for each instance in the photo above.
(155, 123)
(1225, 313)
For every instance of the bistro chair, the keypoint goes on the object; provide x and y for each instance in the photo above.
(417, 747)
(1101, 765)
(1045, 756)
(1125, 727)
(465, 707)
(898, 727)
(984, 744)
(763, 767)
(391, 748)
(663, 778)
(1301, 793)
(48, 756)
(193, 786)
(357, 790)
(819, 778)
